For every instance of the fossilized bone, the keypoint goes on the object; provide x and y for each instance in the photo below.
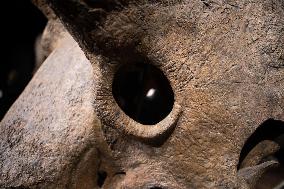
(223, 60)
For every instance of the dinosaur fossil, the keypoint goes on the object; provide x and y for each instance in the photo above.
(152, 95)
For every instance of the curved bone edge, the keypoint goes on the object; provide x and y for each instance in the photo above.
(280, 186)
(263, 149)
(46, 10)
(252, 174)
(44, 135)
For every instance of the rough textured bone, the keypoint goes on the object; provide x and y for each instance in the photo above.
(224, 60)
(262, 150)
(51, 127)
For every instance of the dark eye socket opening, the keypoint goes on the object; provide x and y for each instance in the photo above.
(143, 92)
(270, 130)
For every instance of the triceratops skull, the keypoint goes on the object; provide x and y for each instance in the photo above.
(150, 94)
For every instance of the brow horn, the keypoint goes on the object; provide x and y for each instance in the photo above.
(81, 17)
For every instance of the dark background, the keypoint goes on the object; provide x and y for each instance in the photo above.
(21, 23)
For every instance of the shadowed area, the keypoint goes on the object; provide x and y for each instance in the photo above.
(271, 130)
(143, 92)
(21, 23)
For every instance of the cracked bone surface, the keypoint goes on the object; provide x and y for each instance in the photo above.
(223, 60)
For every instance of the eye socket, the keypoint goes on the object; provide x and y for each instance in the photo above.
(264, 145)
(269, 130)
(143, 92)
